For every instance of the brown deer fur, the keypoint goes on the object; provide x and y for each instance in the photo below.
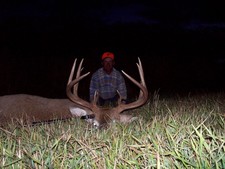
(29, 108)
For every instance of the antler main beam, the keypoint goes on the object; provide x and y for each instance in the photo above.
(143, 95)
(73, 84)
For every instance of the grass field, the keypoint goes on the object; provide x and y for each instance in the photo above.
(176, 132)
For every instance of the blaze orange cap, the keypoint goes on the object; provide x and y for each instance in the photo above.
(108, 55)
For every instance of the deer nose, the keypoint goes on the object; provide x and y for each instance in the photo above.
(96, 124)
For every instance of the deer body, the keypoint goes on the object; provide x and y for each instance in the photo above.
(30, 109)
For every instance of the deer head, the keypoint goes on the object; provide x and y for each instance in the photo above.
(99, 116)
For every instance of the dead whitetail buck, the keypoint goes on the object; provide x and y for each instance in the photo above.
(30, 109)
(103, 115)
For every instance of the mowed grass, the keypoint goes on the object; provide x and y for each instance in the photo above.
(178, 132)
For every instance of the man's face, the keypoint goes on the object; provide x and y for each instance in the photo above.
(108, 64)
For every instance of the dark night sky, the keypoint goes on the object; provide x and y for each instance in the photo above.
(181, 43)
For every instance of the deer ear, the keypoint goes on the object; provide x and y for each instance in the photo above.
(75, 111)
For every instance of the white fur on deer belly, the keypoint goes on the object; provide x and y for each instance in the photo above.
(77, 111)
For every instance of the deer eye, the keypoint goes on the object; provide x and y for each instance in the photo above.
(89, 116)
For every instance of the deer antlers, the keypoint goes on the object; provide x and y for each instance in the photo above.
(102, 115)
(143, 95)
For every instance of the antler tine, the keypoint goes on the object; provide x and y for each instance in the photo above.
(72, 71)
(79, 70)
(140, 68)
(143, 95)
(96, 96)
(141, 73)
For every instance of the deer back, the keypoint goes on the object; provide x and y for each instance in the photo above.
(29, 108)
